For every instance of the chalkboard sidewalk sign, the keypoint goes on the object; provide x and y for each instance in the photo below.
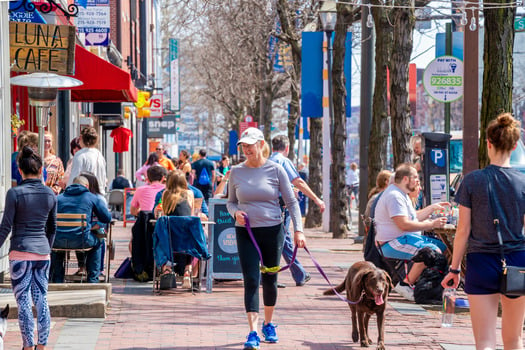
(222, 245)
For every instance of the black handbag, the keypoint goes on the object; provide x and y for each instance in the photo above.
(513, 277)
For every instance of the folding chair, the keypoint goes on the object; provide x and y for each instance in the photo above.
(72, 220)
(179, 234)
(116, 203)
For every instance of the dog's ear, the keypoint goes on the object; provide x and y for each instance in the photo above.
(5, 311)
(359, 281)
(389, 280)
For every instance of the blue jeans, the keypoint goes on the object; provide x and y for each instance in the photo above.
(297, 270)
(93, 257)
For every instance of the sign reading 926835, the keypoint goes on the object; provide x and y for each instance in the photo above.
(443, 79)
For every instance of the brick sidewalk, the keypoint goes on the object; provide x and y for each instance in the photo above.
(137, 319)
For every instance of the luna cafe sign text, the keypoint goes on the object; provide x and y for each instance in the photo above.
(38, 47)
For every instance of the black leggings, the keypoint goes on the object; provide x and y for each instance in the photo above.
(270, 241)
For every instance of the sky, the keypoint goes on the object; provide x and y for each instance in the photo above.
(423, 53)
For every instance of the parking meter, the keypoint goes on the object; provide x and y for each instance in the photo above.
(436, 171)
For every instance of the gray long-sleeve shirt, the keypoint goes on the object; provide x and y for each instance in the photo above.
(256, 192)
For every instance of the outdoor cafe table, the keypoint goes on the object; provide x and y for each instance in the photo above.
(447, 234)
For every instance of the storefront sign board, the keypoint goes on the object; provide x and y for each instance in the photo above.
(38, 47)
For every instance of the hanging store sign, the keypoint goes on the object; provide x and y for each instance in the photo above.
(158, 127)
(174, 75)
(42, 48)
(156, 105)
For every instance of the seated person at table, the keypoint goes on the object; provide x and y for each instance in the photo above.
(177, 200)
(78, 200)
(196, 194)
(398, 225)
(144, 197)
(120, 182)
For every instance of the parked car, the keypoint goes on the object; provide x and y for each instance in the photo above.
(517, 160)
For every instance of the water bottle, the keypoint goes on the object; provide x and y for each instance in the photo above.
(449, 303)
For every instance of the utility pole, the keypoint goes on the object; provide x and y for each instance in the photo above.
(471, 94)
(365, 121)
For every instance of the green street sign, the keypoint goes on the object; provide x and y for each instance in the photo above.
(519, 24)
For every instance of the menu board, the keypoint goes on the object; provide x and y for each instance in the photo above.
(224, 263)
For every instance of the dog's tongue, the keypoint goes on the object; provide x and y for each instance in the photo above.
(379, 299)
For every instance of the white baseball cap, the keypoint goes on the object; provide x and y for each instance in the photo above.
(251, 136)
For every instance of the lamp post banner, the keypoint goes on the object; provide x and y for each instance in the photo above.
(312, 74)
(174, 76)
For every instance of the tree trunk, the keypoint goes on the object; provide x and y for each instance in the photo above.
(313, 215)
(293, 117)
(377, 149)
(338, 203)
(497, 75)
(266, 99)
(404, 21)
(289, 30)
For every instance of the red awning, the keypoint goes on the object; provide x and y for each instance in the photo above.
(103, 82)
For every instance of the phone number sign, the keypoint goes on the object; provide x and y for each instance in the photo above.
(94, 21)
(443, 79)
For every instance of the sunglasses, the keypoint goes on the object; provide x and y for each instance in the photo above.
(159, 149)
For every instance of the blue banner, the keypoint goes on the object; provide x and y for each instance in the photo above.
(306, 133)
(233, 142)
(312, 74)
(457, 44)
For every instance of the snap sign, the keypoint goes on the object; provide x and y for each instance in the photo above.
(160, 126)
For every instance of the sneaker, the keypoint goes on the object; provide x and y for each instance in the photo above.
(186, 282)
(306, 279)
(405, 291)
(281, 285)
(252, 341)
(268, 330)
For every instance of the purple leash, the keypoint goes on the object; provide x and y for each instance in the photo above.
(270, 270)
(276, 269)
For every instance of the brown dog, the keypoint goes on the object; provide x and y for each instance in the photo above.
(369, 287)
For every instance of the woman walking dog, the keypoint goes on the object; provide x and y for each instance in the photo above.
(253, 190)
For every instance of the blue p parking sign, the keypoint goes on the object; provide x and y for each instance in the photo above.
(438, 157)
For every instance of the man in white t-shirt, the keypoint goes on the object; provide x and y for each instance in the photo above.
(399, 226)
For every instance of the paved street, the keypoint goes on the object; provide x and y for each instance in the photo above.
(306, 319)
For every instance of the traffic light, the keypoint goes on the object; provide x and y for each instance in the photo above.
(128, 111)
(143, 104)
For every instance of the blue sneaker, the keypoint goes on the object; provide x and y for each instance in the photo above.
(268, 330)
(252, 341)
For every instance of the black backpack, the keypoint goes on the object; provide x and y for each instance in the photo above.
(371, 253)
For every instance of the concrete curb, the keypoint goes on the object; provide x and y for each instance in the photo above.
(72, 300)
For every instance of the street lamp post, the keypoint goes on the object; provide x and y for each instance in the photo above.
(328, 16)
(42, 89)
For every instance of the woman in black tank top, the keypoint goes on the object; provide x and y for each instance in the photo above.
(177, 200)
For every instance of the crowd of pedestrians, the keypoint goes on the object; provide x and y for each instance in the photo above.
(262, 192)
